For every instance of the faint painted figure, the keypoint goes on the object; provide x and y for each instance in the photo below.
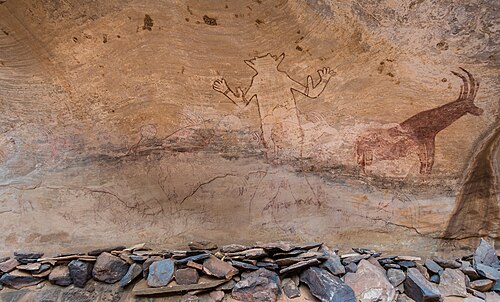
(273, 90)
(417, 134)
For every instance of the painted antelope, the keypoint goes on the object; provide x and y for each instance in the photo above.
(417, 134)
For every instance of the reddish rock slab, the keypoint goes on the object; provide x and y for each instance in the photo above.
(186, 276)
(218, 268)
(17, 279)
(60, 275)
(261, 285)
(9, 265)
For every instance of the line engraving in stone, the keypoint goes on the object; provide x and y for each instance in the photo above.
(273, 90)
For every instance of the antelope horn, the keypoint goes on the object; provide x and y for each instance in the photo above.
(473, 84)
(465, 91)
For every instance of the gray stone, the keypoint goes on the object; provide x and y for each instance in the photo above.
(109, 268)
(233, 248)
(217, 295)
(17, 279)
(492, 297)
(482, 285)
(60, 275)
(351, 267)
(432, 266)
(447, 263)
(332, 263)
(452, 283)
(470, 272)
(27, 256)
(197, 257)
(186, 276)
(420, 289)
(160, 273)
(496, 286)
(434, 279)
(370, 283)
(261, 285)
(243, 265)
(327, 287)
(396, 276)
(133, 272)
(487, 272)
(80, 272)
(290, 288)
(406, 264)
(485, 254)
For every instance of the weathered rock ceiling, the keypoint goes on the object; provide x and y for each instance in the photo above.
(115, 127)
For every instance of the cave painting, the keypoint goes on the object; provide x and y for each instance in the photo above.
(273, 90)
(417, 134)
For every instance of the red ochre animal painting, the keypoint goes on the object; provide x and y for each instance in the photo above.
(273, 90)
(416, 135)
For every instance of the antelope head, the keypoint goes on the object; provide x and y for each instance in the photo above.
(468, 91)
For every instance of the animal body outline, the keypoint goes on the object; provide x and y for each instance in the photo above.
(417, 134)
(273, 90)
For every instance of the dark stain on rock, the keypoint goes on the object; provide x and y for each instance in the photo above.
(148, 22)
(104, 38)
(390, 74)
(258, 21)
(442, 45)
(5, 32)
(75, 39)
(298, 48)
(444, 80)
(189, 10)
(209, 21)
(187, 19)
(476, 210)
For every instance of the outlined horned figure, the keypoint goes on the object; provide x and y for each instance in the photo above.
(417, 134)
(273, 90)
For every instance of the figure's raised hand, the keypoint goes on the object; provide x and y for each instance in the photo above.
(326, 73)
(221, 86)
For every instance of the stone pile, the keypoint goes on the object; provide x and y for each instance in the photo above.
(266, 272)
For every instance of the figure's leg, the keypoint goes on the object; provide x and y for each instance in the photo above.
(429, 148)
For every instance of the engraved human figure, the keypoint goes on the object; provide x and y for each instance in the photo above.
(273, 89)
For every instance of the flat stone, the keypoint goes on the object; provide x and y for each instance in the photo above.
(396, 276)
(487, 272)
(392, 265)
(492, 297)
(299, 266)
(268, 265)
(97, 252)
(60, 275)
(470, 272)
(161, 273)
(422, 270)
(17, 279)
(134, 271)
(251, 253)
(3, 259)
(332, 263)
(147, 263)
(447, 263)
(485, 254)
(195, 265)
(138, 258)
(233, 248)
(351, 267)
(80, 272)
(27, 255)
(31, 267)
(482, 285)
(189, 298)
(8, 265)
(197, 257)
(452, 283)
(217, 295)
(420, 289)
(354, 259)
(370, 283)
(432, 266)
(261, 285)
(362, 250)
(243, 265)
(496, 286)
(282, 246)
(218, 268)
(408, 258)
(327, 287)
(227, 286)
(186, 276)
(476, 293)
(109, 268)
(406, 264)
(202, 245)
(404, 298)
(290, 289)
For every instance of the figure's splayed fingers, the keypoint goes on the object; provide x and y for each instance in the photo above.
(220, 86)
(326, 73)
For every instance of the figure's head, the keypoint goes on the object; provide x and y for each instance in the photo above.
(468, 91)
(264, 62)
